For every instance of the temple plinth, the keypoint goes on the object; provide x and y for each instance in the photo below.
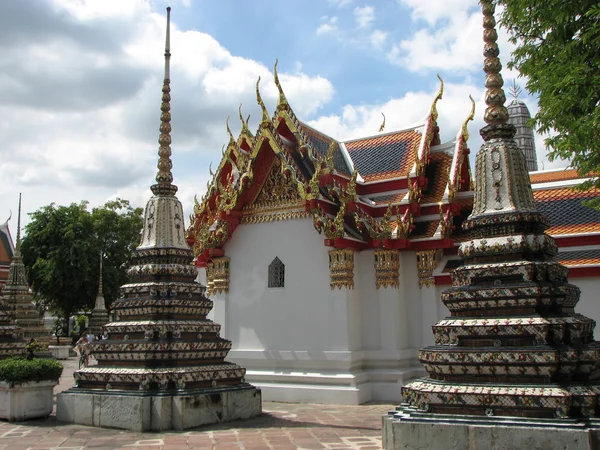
(163, 361)
(513, 352)
(19, 299)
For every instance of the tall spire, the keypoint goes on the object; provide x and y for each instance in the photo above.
(18, 244)
(100, 294)
(496, 114)
(164, 177)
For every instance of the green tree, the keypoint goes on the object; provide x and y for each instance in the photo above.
(61, 250)
(558, 51)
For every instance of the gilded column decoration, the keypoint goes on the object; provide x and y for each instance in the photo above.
(341, 268)
(387, 266)
(427, 262)
(220, 275)
(210, 278)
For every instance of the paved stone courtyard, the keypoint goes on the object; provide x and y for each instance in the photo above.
(282, 426)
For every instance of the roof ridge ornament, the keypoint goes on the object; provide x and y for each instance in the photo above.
(464, 131)
(283, 102)
(382, 127)
(265, 114)
(164, 177)
(245, 128)
(434, 112)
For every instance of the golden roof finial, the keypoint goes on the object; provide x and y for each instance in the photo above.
(164, 177)
(495, 113)
(382, 124)
(265, 114)
(464, 132)
(231, 138)
(439, 95)
(283, 103)
(329, 165)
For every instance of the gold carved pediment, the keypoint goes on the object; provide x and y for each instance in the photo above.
(278, 199)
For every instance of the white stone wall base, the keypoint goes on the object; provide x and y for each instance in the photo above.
(136, 412)
(59, 351)
(26, 400)
(346, 388)
(496, 434)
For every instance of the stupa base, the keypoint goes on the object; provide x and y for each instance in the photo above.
(158, 412)
(408, 429)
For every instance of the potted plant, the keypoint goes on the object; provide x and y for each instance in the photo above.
(26, 387)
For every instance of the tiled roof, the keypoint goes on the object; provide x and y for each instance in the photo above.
(320, 143)
(563, 194)
(568, 212)
(578, 257)
(555, 175)
(384, 156)
(424, 230)
(389, 198)
(437, 176)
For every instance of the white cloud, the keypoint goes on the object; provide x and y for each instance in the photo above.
(378, 38)
(339, 3)
(328, 27)
(433, 11)
(364, 16)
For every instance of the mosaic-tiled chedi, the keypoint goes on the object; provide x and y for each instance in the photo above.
(513, 344)
(99, 316)
(11, 336)
(161, 339)
(19, 299)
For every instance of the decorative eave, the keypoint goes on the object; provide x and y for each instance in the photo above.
(331, 198)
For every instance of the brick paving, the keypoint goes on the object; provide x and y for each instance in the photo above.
(282, 426)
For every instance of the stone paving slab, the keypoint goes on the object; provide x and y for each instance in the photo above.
(282, 426)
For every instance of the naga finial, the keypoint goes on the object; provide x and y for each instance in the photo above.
(464, 132)
(164, 177)
(282, 103)
(329, 164)
(381, 128)
(495, 113)
(434, 112)
(231, 138)
(265, 114)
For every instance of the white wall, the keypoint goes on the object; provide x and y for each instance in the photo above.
(305, 315)
(589, 302)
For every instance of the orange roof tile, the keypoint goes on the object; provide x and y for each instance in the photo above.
(558, 175)
(439, 165)
(577, 228)
(545, 195)
(424, 230)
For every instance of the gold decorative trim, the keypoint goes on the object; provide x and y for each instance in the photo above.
(341, 268)
(387, 267)
(220, 274)
(210, 275)
(427, 262)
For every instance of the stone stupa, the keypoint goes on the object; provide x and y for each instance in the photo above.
(162, 365)
(99, 316)
(514, 366)
(19, 299)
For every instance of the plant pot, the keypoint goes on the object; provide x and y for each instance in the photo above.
(30, 400)
(59, 351)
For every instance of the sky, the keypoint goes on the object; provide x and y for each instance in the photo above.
(80, 84)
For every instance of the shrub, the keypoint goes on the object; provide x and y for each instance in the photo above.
(20, 370)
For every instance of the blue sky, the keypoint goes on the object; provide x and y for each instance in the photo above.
(80, 90)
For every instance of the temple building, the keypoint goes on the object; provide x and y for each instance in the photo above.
(326, 259)
(18, 297)
(7, 251)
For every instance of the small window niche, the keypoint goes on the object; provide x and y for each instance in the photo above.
(276, 274)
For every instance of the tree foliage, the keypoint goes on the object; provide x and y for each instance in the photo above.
(558, 51)
(62, 249)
